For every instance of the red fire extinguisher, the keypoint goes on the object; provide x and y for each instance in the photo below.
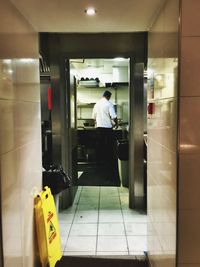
(151, 108)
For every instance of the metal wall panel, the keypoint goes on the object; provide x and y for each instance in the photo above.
(136, 172)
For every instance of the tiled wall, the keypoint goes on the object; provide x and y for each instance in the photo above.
(20, 141)
(189, 137)
(162, 136)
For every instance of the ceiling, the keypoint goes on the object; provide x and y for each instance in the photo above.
(95, 67)
(99, 62)
(69, 16)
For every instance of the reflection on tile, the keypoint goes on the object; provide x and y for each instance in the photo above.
(189, 125)
(7, 141)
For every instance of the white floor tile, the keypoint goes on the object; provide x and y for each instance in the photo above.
(79, 253)
(112, 243)
(137, 253)
(88, 207)
(136, 228)
(65, 217)
(131, 217)
(86, 217)
(137, 243)
(110, 200)
(64, 228)
(110, 206)
(90, 192)
(107, 192)
(83, 243)
(111, 229)
(83, 229)
(90, 188)
(88, 200)
(111, 253)
(89, 213)
(110, 216)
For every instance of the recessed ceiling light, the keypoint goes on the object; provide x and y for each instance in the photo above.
(90, 11)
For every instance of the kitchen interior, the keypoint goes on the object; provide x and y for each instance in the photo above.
(99, 222)
(93, 77)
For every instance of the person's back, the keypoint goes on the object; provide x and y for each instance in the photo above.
(104, 112)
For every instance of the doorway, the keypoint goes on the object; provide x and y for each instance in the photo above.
(92, 77)
(105, 209)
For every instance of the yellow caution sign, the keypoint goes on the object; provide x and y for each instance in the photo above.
(47, 228)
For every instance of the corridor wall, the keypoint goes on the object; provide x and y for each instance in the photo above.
(20, 144)
(162, 136)
(189, 137)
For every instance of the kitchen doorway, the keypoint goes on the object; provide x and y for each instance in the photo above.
(91, 78)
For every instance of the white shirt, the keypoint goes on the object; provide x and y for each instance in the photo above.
(103, 112)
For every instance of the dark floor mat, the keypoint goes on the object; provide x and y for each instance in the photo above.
(99, 177)
(99, 262)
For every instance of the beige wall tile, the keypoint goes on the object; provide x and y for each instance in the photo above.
(189, 237)
(164, 123)
(26, 45)
(21, 124)
(6, 79)
(27, 122)
(19, 79)
(190, 66)
(20, 136)
(162, 136)
(189, 125)
(7, 126)
(190, 18)
(189, 182)
(11, 217)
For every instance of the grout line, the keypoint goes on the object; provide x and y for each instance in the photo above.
(124, 223)
(73, 219)
(98, 222)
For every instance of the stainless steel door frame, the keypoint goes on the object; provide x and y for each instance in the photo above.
(136, 141)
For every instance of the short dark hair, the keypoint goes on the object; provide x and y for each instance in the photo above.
(107, 94)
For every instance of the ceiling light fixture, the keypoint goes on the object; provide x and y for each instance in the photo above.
(90, 11)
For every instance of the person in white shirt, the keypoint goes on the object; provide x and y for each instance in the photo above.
(106, 119)
(104, 112)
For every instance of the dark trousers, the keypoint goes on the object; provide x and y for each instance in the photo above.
(106, 152)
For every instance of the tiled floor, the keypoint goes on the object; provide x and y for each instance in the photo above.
(100, 223)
